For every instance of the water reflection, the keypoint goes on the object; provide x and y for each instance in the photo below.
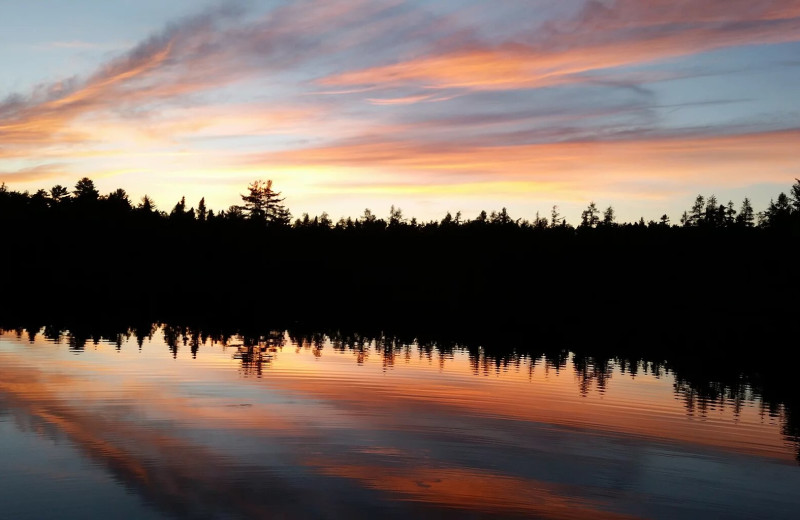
(210, 423)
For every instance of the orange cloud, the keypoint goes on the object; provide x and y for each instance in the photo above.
(111, 113)
(139, 112)
(166, 66)
(46, 122)
(727, 161)
(408, 100)
(629, 32)
(34, 173)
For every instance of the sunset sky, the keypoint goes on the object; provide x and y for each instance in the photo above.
(430, 106)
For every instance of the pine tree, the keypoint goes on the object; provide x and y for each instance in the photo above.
(589, 216)
(696, 214)
(146, 205)
(711, 212)
(179, 210)
(264, 204)
(777, 213)
(555, 217)
(609, 217)
(794, 195)
(202, 212)
(85, 190)
(746, 215)
(730, 214)
(58, 193)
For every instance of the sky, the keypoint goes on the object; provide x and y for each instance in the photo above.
(453, 105)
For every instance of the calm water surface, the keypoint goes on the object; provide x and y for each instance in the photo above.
(280, 430)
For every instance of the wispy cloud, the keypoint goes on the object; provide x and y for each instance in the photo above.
(196, 55)
(566, 169)
(33, 173)
(407, 100)
(601, 36)
(411, 89)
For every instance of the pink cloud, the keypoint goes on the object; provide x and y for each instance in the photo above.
(407, 100)
(628, 32)
(569, 167)
(33, 173)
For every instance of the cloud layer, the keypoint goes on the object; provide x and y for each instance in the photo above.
(326, 96)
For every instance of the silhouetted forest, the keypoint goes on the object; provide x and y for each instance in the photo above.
(718, 272)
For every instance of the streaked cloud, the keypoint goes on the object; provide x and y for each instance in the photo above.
(33, 173)
(602, 36)
(551, 160)
(402, 100)
(316, 93)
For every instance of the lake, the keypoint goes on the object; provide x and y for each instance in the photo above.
(172, 424)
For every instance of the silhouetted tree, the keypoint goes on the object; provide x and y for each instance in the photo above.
(746, 216)
(710, 216)
(608, 217)
(447, 221)
(146, 205)
(590, 216)
(695, 217)
(325, 220)
(202, 212)
(58, 194)
(370, 221)
(395, 217)
(39, 200)
(179, 211)
(539, 223)
(119, 201)
(502, 217)
(730, 214)
(794, 196)
(555, 218)
(85, 190)
(234, 213)
(263, 204)
(778, 212)
(368, 216)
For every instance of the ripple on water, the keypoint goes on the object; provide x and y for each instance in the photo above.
(308, 431)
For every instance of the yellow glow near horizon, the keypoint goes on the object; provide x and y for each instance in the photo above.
(561, 106)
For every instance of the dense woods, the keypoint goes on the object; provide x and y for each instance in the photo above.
(68, 250)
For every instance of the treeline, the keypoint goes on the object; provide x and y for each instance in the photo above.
(264, 206)
(73, 251)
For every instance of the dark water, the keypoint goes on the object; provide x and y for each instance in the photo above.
(281, 430)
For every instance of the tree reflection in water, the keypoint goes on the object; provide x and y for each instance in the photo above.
(702, 384)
